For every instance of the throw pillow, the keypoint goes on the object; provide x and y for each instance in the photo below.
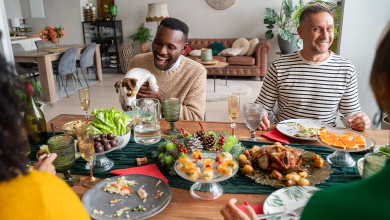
(195, 53)
(253, 42)
(216, 47)
(188, 50)
(230, 52)
(242, 43)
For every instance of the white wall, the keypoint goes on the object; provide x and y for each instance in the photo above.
(5, 41)
(13, 8)
(361, 26)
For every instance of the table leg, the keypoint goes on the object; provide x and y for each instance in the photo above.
(214, 80)
(47, 79)
(226, 76)
(98, 64)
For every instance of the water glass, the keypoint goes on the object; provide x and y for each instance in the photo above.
(146, 120)
(373, 164)
(171, 109)
(63, 146)
(253, 114)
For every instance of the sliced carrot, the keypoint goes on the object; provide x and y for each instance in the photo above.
(126, 187)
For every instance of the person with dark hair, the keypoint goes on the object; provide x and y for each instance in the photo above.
(357, 200)
(314, 82)
(177, 76)
(36, 194)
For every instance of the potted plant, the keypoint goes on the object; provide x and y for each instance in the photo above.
(288, 35)
(52, 34)
(143, 37)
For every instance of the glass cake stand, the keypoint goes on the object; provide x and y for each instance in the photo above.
(342, 158)
(206, 190)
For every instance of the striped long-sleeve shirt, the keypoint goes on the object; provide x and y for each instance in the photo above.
(312, 90)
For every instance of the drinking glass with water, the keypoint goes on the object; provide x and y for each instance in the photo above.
(253, 114)
(146, 120)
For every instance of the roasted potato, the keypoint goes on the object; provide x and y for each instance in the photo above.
(292, 176)
(276, 175)
(319, 162)
(303, 174)
(248, 169)
(246, 153)
(315, 156)
(255, 148)
(241, 156)
(290, 183)
(303, 182)
(243, 162)
(278, 144)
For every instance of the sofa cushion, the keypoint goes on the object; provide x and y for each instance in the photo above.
(242, 43)
(188, 50)
(216, 47)
(195, 53)
(241, 60)
(220, 58)
(230, 52)
(253, 42)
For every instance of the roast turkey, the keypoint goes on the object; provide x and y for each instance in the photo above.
(278, 157)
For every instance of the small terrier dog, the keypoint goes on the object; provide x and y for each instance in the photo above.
(129, 86)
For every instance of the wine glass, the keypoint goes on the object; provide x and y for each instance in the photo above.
(85, 143)
(253, 114)
(171, 109)
(63, 146)
(85, 100)
(234, 109)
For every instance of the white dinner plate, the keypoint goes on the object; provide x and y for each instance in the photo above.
(290, 131)
(288, 198)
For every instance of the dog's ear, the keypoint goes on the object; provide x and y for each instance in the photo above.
(117, 84)
(132, 83)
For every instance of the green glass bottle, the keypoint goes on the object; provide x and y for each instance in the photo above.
(34, 118)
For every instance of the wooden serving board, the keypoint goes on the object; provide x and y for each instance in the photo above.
(211, 62)
(50, 49)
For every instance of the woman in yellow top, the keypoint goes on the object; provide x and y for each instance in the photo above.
(30, 195)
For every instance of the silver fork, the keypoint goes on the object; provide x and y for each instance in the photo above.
(296, 212)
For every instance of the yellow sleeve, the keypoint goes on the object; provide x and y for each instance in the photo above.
(39, 196)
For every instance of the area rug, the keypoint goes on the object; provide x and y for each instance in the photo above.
(222, 91)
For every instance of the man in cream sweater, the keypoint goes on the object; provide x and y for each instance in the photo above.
(177, 76)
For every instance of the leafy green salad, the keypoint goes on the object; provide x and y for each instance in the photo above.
(110, 121)
(385, 149)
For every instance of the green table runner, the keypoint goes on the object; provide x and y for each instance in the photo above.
(125, 158)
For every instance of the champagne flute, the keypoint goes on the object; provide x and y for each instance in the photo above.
(234, 109)
(253, 114)
(85, 143)
(85, 100)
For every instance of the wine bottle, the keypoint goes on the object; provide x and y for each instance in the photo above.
(34, 119)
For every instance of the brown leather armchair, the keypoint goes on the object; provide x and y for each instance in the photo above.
(255, 65)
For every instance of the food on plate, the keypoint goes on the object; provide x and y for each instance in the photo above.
(138, 208)
(142, 194)
(248, 169)
(121, 186)
(104, 142)
(244, 162)
(385, 149)
(303, 182)
(195, 173)
(159, 194)
(315, 156)
(224, 156)
(43, 151)
(347, 141)
(186, 166)
(246, 153)
(197, 155)
(208, 163)
(107, 147)
(318, 162)
(290, 183)
(73, 125)
(303, 174)
(276, 175)
(231, 163)
(110, 121)
(241, 157)
(208, 174)
(255, 148)
(304, 130)
(277, 157)
(293, 176)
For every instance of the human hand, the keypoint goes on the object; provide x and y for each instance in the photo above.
(146, 92)
(230, 211)
(45, 164)
(265, 124)
(359, 121)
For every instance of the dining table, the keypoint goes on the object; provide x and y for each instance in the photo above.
(44, 58)
(182, 204)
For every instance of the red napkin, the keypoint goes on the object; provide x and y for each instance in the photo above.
(150, 170)
(258, 208)
(275, 135)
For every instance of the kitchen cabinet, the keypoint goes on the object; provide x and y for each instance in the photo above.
(27, 44)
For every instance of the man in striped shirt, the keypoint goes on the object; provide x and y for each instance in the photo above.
(313, 83)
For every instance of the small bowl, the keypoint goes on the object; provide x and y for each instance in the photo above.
(360, 166)
(71, 133)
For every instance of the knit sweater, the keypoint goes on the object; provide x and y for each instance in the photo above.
(186, 82)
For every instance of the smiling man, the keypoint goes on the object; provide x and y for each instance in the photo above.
(314, 82)
(177, 76)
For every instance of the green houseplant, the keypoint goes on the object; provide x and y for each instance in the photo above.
(285, 22)
(143, 37)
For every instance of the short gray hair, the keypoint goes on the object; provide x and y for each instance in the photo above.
(312, 9)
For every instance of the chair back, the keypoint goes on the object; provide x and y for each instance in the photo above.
(17, 48)
(67, 63)
(86, 59)
(42, 44)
